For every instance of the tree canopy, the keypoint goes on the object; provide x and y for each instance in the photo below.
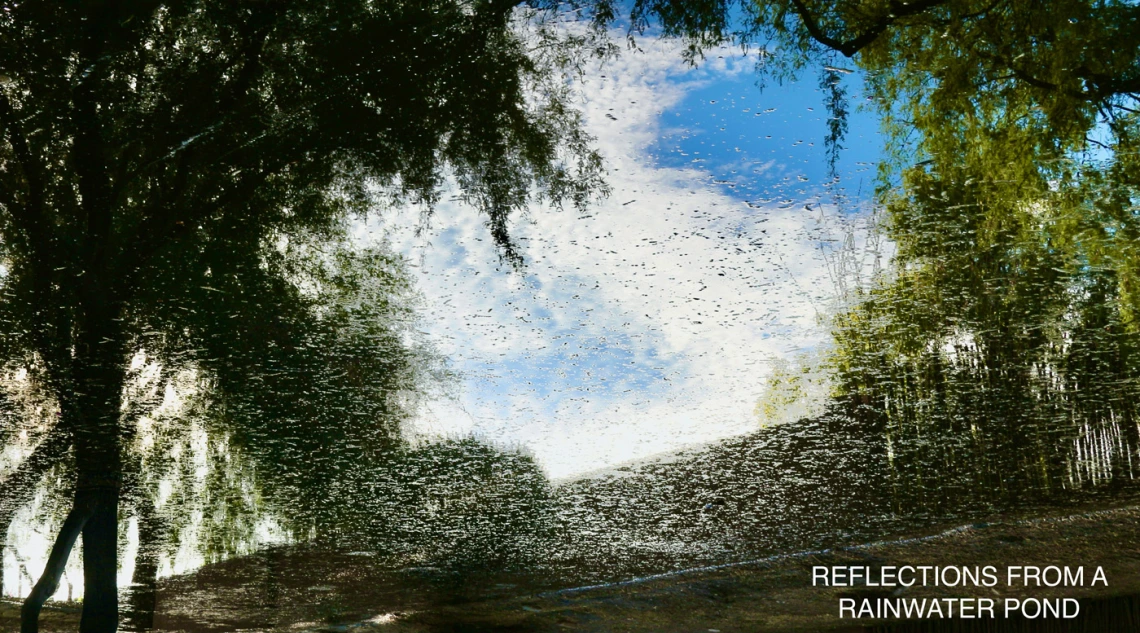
(1051, 77)
(1006, 326)
(170, 171)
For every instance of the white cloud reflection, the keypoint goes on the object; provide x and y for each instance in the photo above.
(646, 324)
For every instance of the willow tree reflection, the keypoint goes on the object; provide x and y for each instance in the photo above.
(311, 401)
(998, 355)
(308, 367)
(289, 418)
(156, 157)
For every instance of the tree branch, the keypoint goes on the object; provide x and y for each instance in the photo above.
(85, 506)
(896, 11)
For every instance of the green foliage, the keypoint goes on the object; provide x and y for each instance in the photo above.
(1001, 350)
(1002, 346)
(178, 180)
(1002, 342)
(221, 127)
(794, 391)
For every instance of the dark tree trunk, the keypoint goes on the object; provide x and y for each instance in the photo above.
(143, 596)
(98, 461)
(100, 564)
(80, 515)
(5, 523)
(91, 406)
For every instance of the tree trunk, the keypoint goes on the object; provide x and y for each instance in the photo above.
(96, 404)
(95, 511)
(5, 523)
(80, 515)
(98, 462)
(101, 564)
(143, 597)
(95, 515)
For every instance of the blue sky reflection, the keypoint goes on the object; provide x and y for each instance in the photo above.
(649, 323)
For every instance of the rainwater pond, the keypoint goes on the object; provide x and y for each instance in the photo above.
(543, 317)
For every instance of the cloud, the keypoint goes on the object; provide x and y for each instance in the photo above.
(646, 324)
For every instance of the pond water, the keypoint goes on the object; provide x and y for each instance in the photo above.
(755, 345)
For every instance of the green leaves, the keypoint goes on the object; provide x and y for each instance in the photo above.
(180, 178)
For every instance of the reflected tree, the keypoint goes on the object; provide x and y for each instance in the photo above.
(160, 159)
(998, 355)
(176, 179)
(1011, 190)
(290, 410)
(1064, 73)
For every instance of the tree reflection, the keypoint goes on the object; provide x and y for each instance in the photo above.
(184, 310)
(998, 357)
(170, 175)
(298, 429)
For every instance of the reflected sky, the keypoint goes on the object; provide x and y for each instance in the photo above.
(645, 324)
(649, 322)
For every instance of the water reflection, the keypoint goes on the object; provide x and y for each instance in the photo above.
(999, 358)
(990, 369)
(985, 373)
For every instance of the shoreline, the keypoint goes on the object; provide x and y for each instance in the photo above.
(773, 593)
